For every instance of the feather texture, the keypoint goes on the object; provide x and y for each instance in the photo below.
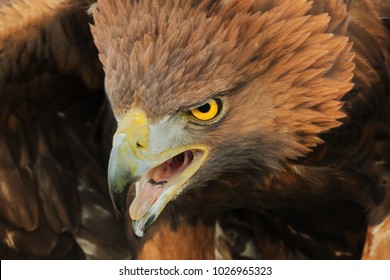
(298, 165)
(51, 92)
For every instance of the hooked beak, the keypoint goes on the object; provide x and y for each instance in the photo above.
(156, 176)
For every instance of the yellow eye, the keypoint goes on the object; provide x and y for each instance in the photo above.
(208, 111)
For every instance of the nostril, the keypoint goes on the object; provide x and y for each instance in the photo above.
(140, 146)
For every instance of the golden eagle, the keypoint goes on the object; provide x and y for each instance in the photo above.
(220, 129)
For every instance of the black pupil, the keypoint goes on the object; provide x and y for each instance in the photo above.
(204, 108)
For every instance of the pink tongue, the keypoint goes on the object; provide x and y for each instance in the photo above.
(152, 184)
(146, 196)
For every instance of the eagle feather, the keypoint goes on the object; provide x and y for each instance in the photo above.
(297, 163)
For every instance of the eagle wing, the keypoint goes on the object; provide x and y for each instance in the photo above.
(53, 116)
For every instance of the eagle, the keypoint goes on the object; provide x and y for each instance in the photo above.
(202, 129)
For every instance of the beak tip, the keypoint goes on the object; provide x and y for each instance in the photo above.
(119, 201)
(137, 230)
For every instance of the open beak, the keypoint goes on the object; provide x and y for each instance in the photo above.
(156, 176)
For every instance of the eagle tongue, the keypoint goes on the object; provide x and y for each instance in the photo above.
(147, 194)
(151, 185)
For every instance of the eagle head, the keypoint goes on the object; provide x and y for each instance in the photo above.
(206, 88)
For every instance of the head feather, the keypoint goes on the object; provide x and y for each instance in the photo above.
(168, 55)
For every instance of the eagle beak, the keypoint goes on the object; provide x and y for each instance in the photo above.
(124, 169)
(157, 176)
(118, 171)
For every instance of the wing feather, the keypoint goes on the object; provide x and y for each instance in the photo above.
(17, 192)
(52, 139)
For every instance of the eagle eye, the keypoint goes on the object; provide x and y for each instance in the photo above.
(208, 111)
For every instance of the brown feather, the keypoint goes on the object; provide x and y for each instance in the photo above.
(197, 244)
(300, 156)
(53, 183)
(306, 85)
(378, 241)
